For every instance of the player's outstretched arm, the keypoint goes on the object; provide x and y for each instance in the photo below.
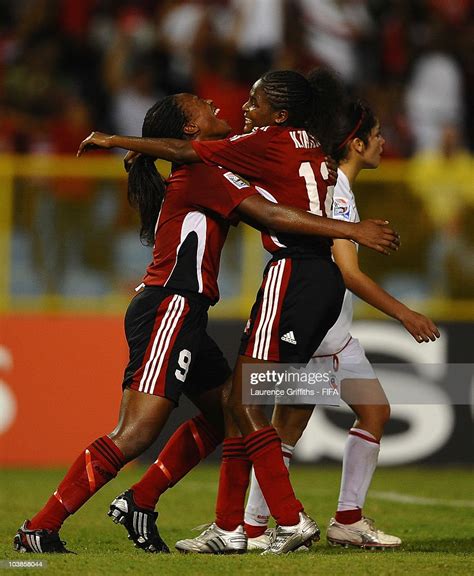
(171, 149)
(374, 234)
(420, 327)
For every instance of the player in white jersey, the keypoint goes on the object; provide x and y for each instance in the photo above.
(360, 387)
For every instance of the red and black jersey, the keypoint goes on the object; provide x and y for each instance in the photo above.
(286, 165)
(192, 228)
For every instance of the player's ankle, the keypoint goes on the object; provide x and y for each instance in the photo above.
(348, 516)
(254, 531)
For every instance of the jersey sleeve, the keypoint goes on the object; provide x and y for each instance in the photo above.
(243, 154)
(343, 205)
(222, 192)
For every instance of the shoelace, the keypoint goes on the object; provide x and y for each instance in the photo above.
(271, 533)
(370, 522)
(206, 527)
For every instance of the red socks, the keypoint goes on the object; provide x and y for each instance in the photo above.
(51, 517)
(192, 442)
(254, 531)
(348, 516)
(264, 450)
(233, 483)
(98, 464)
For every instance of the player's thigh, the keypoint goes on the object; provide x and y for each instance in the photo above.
(360, 387)
(247, 416)
(163, 331)
(300, 299)
(209, 381)
(312, 305)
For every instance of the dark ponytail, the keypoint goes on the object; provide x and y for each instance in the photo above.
(146, 186)
(321, 104)
(330, 99)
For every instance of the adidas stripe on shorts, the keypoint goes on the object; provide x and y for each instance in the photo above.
(299, 300)
(170, 350)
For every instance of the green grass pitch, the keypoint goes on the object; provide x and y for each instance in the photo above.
(437, 526)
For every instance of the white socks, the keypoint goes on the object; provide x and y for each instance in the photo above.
(256, 511)
(360, 460)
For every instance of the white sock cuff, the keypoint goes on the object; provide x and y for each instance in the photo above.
(287, 450)
(364, 435)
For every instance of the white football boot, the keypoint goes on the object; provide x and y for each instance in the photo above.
(261, 542)
(215, 540)
(284, 539)
(361, 534)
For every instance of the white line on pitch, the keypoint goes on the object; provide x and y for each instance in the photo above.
(409, 499)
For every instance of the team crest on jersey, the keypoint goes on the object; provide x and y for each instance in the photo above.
(341, 208)
(235, 180)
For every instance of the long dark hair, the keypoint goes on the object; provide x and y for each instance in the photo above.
(146, 186)
(357, 121)
(314, 102)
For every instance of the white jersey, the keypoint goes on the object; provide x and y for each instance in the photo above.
(344, 208)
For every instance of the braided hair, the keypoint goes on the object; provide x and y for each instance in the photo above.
(146, 186)
(313, 102)
(288, 90)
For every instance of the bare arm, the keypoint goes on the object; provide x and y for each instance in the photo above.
(171, 149)
(371, 233)
(419, 326)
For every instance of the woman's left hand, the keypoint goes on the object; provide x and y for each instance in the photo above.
(420, 327)
(95, 140)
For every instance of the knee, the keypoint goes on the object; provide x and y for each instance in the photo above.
(246, 417)
(290, 422)
(289, 432)
(291, 435)
(132, 441)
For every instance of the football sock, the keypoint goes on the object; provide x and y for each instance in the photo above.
(264, 450)
(233, 483)
(95, 466)
(193, 441)
(257, 512)
(358, 465)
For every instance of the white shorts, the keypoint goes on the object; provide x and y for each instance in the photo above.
(350, 363)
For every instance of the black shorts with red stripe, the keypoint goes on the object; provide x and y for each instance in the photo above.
(170, 351)
(299, 300)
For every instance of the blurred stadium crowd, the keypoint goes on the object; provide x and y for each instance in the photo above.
(68, 66)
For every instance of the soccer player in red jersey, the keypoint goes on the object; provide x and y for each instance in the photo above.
(170, 351)
(360, 389)
(282, 156)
